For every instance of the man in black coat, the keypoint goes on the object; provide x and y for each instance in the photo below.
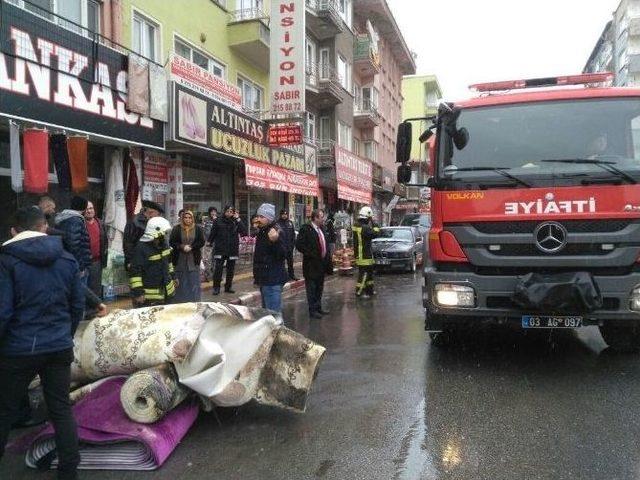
(313, 245)
(75, 236)
(289, 231)
(41, 305)
(224, 236)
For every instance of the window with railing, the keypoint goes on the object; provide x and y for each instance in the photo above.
(344, 73)
(249, 10)
(371, 150)
(199, 58)
(146, 37)
(345, 136)
(252, 94)
(80, 16)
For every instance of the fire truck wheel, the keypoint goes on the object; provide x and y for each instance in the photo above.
(622, 339)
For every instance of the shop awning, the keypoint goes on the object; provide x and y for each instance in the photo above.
(354, 176)
(270, 177)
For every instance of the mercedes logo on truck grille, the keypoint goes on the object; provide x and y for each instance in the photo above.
(551, 237)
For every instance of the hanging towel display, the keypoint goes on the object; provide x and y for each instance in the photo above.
(16, 168)
(35, 144)
(78, 163)
(138, 91)
(61, 160)
(133, 188)
(158, 94)
(115, 215)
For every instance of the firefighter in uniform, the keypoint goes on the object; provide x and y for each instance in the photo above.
(363, 233)
(151, 276)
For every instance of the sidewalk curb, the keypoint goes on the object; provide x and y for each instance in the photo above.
(252, 297)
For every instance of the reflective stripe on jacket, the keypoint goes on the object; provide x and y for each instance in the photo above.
(151, 273)
(363, 234)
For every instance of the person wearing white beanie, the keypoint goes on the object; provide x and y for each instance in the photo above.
(269, 258)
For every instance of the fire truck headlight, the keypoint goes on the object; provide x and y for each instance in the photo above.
(453, 295)
(634, 299)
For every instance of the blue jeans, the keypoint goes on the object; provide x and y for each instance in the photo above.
(272, 297)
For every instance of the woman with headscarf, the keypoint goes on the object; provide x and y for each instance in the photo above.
(187, 240)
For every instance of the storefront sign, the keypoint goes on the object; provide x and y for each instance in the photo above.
(200, 80)
(284, 135)
(206, 123)
(53, 76)
(287, 57)
(260, 175)
(156, 172)
(354, 176)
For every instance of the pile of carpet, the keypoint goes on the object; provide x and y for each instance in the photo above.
(142, 375)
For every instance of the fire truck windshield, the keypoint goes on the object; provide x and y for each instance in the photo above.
(575, 142)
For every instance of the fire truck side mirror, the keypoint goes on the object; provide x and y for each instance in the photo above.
(403, 145)
(461, 138)
(404, 173)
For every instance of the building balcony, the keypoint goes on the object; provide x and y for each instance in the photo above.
(249, 36)
(366, 60)
(324, 19)
(365, 114)
(324, 86)
(326, 153)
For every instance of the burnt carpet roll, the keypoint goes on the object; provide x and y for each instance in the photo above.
(150, 394)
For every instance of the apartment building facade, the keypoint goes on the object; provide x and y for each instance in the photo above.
(229, 40)
(422, 94)
(381, 59)
(618, 48)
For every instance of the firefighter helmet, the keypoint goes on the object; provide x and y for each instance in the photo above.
(156, 227)
(366, 213)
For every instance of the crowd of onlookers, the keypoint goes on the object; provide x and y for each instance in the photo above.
(51, 276)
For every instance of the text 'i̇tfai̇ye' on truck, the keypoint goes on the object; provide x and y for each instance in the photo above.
(535, 208)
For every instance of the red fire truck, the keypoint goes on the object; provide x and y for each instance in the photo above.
(535, 208)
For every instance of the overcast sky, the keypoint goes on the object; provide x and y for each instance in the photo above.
(472, 41)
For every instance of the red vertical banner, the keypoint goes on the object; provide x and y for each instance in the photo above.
(78, 163)
(35, 145)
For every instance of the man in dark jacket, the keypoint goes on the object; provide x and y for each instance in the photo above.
(312, 243)
(268, 258)
(363, 234)
(41, 304)
(225, 238)
(289, 231)
(75, 236)
(134, 229)
(151, 273)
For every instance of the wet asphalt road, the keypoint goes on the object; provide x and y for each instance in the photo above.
(501, 404)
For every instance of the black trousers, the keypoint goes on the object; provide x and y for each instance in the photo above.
(54, 369)
(365, 283)
(314, 288)
(217, 272)
(290, 265)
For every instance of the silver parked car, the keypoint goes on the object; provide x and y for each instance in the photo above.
(398, 247)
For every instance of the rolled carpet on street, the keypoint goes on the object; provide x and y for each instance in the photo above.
(229, 354)
(150, 394)
(109, 440)
(137, 375)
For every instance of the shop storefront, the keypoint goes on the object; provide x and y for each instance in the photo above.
(63, 114)
(354, 180)
(235, 145)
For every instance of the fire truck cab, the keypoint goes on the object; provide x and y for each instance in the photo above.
(535, 206)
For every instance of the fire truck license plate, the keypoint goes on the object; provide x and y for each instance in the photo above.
(531, 321)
